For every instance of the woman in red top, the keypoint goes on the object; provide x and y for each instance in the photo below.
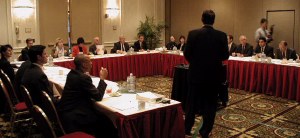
(80, 48)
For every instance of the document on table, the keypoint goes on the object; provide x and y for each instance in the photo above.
(125, 105)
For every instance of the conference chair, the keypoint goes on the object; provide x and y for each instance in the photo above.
(46, 128)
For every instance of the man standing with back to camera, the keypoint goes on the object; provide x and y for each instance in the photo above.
(205, 72)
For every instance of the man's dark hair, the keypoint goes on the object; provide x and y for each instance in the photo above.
(263, 20)
(80, 40)
(4, 49)
(79, 60)
(262, 38)
(34, 51)
(208, 17)
(181, 37)
(230, 37)
(28, 39)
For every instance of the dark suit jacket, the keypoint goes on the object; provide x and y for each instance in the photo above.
(137, 46)
(170, 45)
(117, 46)
(269, 51)
(206, 49)
(183, 47)
(77, 102)
(290, 54)
(18, 79)
(24, 54)
(93, 48)
(7, 69)
(36, 81)
(232, 48)
(248, 51)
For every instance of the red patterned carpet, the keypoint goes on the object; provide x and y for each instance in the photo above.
(248, 115)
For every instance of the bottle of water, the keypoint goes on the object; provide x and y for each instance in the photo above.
(174, 48)
(50, 60)
(131, 50)
(131, 83)
(263, 57)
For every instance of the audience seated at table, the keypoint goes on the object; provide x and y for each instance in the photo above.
(263, 47)
(231, 45)
(18, 78)
(77, 107)
(80, 48)
(120, 47)
(141, 44)
(171, 44)
(6, 53)
(34, 78)
(244, 49)
(59, 49)
(181, 45)
(283, 52)
(93, 48)
(24, 52)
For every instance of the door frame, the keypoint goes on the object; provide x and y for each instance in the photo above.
(294, 24)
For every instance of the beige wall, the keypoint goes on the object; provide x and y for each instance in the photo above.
(234, 17)
(88, 19)
(131, 13)
(3, 23)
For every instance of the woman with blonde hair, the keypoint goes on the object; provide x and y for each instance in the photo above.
(59, 49)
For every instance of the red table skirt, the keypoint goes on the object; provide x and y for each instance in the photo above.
(160, 123)
(140, 65)
(278, 80)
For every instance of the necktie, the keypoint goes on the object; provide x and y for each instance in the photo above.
(243, 49)
(262, 49)
(283, 54)
(122, 47)
(141, 44)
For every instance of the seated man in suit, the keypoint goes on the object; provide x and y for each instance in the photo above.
(24, 52)
(93, 48)
(284, 52)
(19, 76)
(231, 46)
(120, 47)
(77, 105)
(140, 45)
(244, 49)
(171, 44)
(264, 48)
(34, 78)
(80, 48)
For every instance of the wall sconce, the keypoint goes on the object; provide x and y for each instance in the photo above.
(111, 12)
(23, 9)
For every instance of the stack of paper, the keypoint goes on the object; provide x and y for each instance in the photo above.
(148, 96)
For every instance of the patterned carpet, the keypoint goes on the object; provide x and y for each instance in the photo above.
(248, 115)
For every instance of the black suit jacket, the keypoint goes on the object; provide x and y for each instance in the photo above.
(232, 48)
(93, 48)
(77, 101)
(137, 46)
(170, 45)
(7, 69)
(18, 78)
(206, 49)
(290, 54)
(117, 46)
(269, 51)
(36, 81)
(183, 47)
(248, 51)
(24, 54)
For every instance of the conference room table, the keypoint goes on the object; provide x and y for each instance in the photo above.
(243, 73)
(142, 64)
(154, 120)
